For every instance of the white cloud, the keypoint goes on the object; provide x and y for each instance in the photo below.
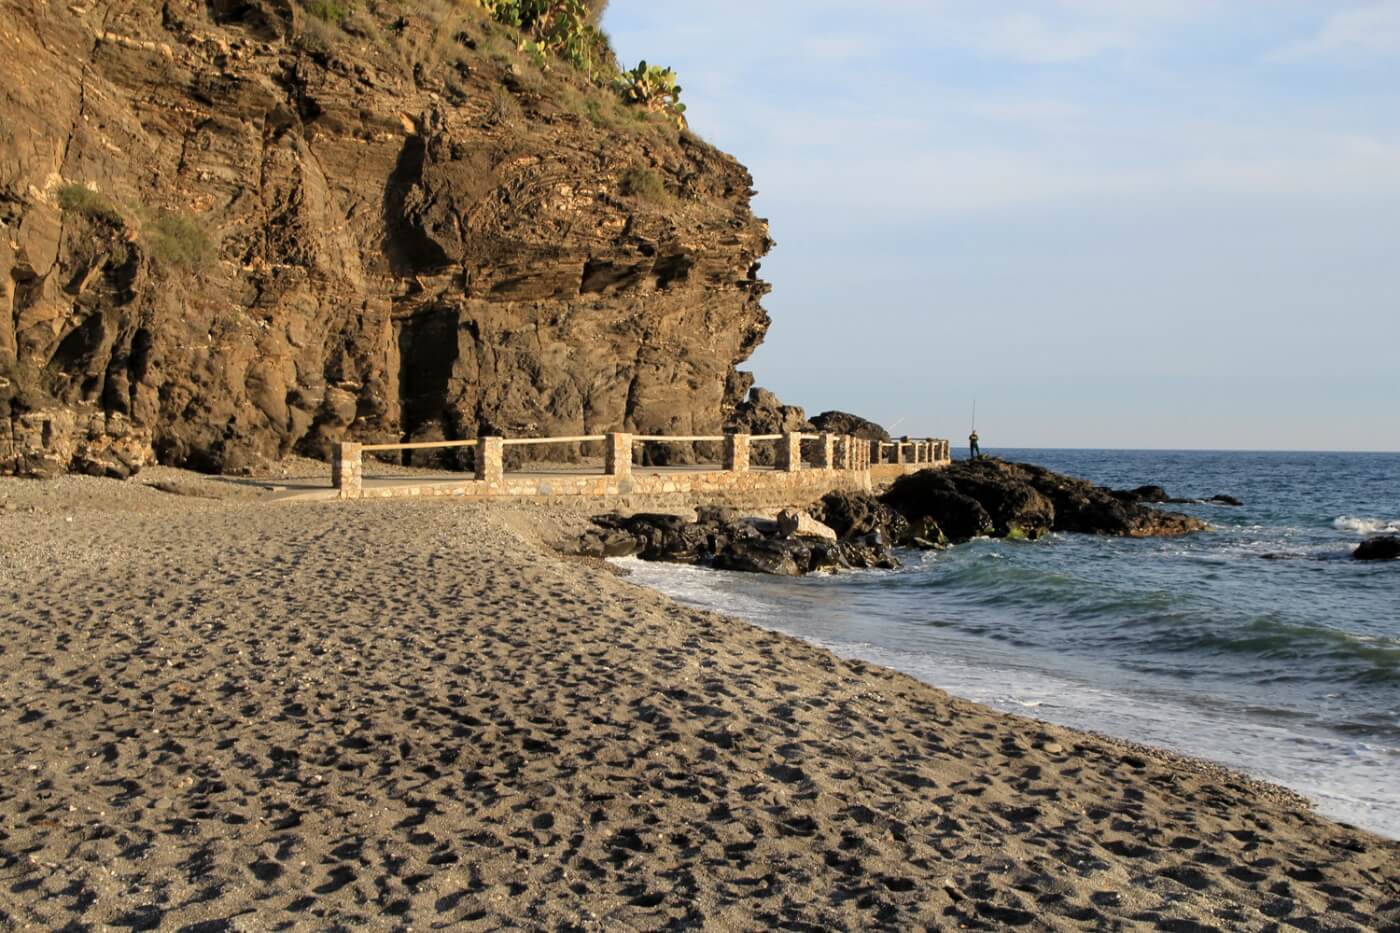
(1372, 30)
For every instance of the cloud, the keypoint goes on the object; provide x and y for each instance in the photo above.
(1372, 30)
(1028, 39)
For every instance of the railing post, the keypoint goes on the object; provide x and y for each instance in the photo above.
(736, 453)
(827, 459)
(490, 459)
(618, 458)
(790, 453)
(347, 470)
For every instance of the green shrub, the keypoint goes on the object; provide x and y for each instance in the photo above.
(78, 199)
(179, 240)
(654, 89)
(644, 184)
(330, 11)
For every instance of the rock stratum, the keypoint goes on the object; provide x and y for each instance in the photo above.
(229, 232)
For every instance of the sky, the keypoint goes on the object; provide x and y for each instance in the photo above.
(1112, 223)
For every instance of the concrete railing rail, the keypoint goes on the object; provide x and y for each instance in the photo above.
(844, 459)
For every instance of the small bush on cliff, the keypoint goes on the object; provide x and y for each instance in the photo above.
(78, 199)
(179, 240)
(644, 184)
(330, 11)
(654, 89)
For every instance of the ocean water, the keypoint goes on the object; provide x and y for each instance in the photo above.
(1258, 644)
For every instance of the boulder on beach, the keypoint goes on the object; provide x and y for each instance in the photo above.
(855, 515)
(1381, 547)
(791, 544)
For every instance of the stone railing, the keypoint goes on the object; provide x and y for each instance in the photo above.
(833, 453)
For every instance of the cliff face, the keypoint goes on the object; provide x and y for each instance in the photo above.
(229, 232)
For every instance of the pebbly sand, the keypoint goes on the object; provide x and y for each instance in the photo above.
(224, 713)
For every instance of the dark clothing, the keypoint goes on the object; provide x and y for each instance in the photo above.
(973, 450)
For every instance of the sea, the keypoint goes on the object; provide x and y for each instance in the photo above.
(1258, 644)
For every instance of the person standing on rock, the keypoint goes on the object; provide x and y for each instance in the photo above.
(973, 450)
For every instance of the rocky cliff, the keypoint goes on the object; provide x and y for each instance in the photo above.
(230, 231)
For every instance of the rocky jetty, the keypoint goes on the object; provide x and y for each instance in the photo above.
(846, 530)
(1381, 547)
(972, 498)
(234, 231)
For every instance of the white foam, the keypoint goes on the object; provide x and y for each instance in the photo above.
(1366, 526)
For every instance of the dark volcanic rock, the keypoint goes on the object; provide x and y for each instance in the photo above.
(763, 413)
(930, 495)
(840, 422)
(857, 515)
(1142, 494)
(1158, 495)
(722, 539)
(1382, 547)
(993, 497)
(231, 232)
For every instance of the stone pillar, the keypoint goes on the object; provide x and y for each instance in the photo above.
(491, 459)
(789, 453)
(827, 457)
(844, 461)
(347, 470)
(736, 453)
(618, 458)
(899, 449)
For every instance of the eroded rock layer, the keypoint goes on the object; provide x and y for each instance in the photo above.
(229, 232)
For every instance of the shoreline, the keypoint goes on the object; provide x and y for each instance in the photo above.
(225, 710)
(1050, 688)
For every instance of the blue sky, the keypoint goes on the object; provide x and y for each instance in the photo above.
(1116, 223)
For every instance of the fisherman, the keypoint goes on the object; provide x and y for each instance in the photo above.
(973, 450)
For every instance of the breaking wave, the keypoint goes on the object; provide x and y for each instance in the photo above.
(1366, 526)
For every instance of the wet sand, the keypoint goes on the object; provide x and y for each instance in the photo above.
(224, 713)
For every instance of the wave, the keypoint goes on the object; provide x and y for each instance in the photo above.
(1366, 526)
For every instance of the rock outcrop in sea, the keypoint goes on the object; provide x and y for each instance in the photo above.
(1381, 547)
(991, 497)
(234, 231)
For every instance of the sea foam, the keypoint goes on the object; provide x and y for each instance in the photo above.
(1366, 526)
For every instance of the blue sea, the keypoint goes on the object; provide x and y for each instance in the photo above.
(1258, 644)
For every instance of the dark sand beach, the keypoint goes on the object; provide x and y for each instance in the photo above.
(225, 713)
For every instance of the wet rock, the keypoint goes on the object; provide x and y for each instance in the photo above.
(856, 515)
(1222, 499)
(996, 498)
(792, 523)
(1381, 547)
(1142, 494)
(929, 495)
(790, 545)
